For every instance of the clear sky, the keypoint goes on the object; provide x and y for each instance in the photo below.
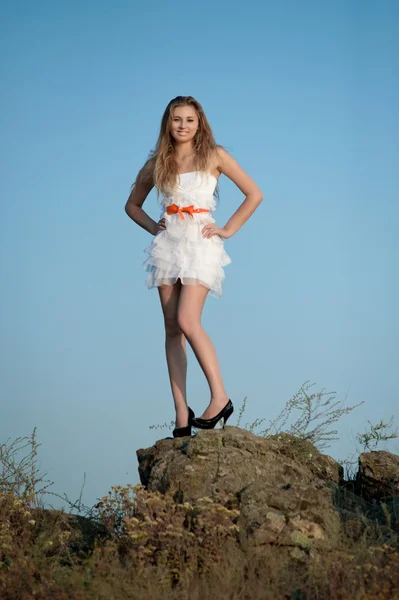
(304, 96)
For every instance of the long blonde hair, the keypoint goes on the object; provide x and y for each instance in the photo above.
(161, 164)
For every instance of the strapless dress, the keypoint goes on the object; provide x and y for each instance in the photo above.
(181, 251)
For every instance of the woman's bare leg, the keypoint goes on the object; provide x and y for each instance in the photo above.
(175, 347)
(191, 303)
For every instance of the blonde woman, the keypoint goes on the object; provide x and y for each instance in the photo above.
(186, 256)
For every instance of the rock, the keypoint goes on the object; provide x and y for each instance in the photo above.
(300, 515)
(283, 486)
(321, 465)
(378, 476)
(218, 461)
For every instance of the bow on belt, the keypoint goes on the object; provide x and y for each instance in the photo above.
(172, 209)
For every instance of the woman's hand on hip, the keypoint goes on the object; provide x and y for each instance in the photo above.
(160, 226)
(212, 229)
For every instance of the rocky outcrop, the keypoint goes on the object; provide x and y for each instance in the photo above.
(219, 461)
(288, 493)
(283, 486)
(378, 476)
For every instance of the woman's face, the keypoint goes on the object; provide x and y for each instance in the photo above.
(184, 123)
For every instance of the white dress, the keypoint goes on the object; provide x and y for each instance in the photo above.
(181, 251)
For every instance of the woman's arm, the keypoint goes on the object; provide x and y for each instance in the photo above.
(142, 187)
(230, 167)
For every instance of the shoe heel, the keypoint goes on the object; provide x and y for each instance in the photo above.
(182, 431)
(185, 431)
(227, 415)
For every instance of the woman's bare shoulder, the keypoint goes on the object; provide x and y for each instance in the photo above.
(216, 161)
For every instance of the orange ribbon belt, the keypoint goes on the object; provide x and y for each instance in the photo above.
(172, 209)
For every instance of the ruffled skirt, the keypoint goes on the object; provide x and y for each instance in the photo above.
(181, 251)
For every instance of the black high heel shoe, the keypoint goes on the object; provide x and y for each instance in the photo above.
(184, 431)
(210, 423)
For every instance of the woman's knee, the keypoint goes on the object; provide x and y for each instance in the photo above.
(169, 295)
(172, 327)
(187, 323)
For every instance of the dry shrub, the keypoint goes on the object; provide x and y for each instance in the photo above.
(154, 529)
(34, 549)
(192, 550)
(159, 548)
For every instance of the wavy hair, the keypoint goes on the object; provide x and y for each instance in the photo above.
(161, 165)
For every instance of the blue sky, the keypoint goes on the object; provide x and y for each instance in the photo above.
(304, 96)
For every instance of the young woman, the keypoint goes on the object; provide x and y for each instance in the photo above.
(186, 257)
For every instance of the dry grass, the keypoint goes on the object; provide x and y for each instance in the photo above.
(154, 547)
(142, 545)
